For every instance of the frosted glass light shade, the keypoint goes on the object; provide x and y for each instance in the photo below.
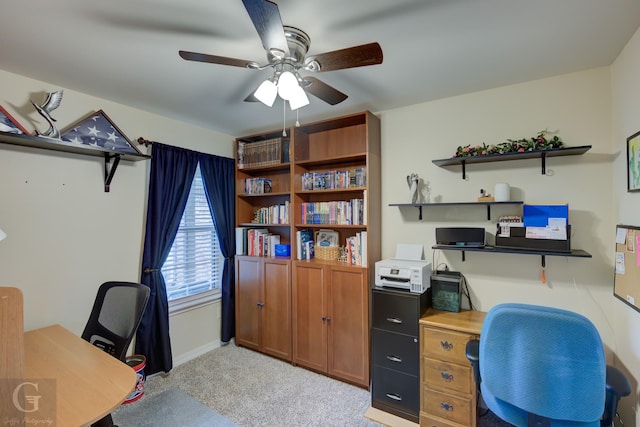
(266, 93)
(298, 99)
(287, 85)
(2, 235)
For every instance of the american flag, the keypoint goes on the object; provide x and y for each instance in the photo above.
(97, 131)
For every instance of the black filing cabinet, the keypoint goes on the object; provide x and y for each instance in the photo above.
(395, 381)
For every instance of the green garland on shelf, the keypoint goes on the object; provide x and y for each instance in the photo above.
(536, 143)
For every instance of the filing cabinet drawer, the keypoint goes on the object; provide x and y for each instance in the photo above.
(396, 351)
(446, 406)
(445, 345)
(396, 390)
(397, 311)
(444, 376)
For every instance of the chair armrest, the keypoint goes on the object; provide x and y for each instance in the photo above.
(473, 354)
(617, 385)
(617, 382)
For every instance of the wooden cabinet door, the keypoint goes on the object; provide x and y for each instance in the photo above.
(248, 283)
(309, 318)
(348, 327)
(276, 311)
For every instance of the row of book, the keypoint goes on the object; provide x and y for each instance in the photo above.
(256, 242)
(343, 212)
(275, 214)
(357, 249)
(257, 186)
(334, 179)
(262, 153)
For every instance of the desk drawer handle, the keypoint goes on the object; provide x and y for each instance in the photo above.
(446, 376)
(446, 406)
(394, 320)
(446, 345)
(394, 396)
(394, 359)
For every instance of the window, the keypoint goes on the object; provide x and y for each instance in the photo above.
(193, 269)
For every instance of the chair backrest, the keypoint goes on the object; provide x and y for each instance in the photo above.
(544, 361)
(115, 316)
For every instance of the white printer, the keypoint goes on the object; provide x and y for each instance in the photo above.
(406, 271)
(411, 275)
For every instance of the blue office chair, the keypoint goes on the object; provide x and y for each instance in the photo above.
(542, 366)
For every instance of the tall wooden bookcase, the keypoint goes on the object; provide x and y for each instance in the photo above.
(329, 299)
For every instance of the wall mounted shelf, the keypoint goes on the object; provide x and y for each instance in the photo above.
(576, 253)
(487, 204)
(59, 145)
(542, 154)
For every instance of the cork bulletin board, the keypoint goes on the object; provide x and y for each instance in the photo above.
(626, 284)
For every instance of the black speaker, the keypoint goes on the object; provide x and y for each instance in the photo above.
(460, 236)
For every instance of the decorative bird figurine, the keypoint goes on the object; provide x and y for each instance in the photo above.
(413, 180)
(50, 103)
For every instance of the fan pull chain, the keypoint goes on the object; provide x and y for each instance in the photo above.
(297, 116)
(284, 117)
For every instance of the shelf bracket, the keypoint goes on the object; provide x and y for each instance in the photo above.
(110, 169)
(463, 257)
(488, 212)
(543, 159)
(420, 213)
(464, 169)
(543, 261)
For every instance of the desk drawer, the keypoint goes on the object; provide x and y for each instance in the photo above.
(445, 345)
(445, 376)
(429, 421)
(396, 312)
(396, 351)
(446, 406)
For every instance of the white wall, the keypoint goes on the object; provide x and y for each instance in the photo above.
(66, 236)
(626, 122)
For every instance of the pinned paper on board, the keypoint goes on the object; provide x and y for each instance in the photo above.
(621, 235)
(631, 247)
(619, 263)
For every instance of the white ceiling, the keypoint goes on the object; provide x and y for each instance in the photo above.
(127, 50)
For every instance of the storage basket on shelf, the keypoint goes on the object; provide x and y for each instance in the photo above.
(327, 253)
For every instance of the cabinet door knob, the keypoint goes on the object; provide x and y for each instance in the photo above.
(394, 359)
(394, 320)
(394, 396)
(446, 345)
(260, 304)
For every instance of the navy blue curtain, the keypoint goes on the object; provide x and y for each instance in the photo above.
(219, 183)
(172, 171)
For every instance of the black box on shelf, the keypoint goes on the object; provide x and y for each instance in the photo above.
(517, 240)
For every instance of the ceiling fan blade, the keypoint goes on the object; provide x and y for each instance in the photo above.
(356, 56)
(321, 90)
(214, 59)
(266, 18)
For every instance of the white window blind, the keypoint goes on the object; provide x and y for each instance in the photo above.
(194, 265)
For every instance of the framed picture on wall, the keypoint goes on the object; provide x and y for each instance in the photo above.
(633, 163)
(9, 124)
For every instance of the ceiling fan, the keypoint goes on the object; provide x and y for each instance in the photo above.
(286, 49)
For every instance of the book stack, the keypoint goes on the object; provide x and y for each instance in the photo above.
(256, 242)
(304, 244)
(257, 186)
(275, 214)
(351, 212)
(357, 249)
(334, 179)
(260, 153)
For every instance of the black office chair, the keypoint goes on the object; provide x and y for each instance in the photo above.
(543, 366)
(114, 320)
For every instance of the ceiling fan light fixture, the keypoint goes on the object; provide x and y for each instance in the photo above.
(287, 85)
(298, 99)
(266, 92)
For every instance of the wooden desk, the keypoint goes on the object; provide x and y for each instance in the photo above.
(89, 383)
(448, 390)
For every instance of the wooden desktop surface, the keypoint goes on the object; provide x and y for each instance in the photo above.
(89, 383)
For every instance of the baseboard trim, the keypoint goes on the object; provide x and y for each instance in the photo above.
(199, 351)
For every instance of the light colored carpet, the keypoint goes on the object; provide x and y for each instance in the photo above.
(252, 389)
(171, 408)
